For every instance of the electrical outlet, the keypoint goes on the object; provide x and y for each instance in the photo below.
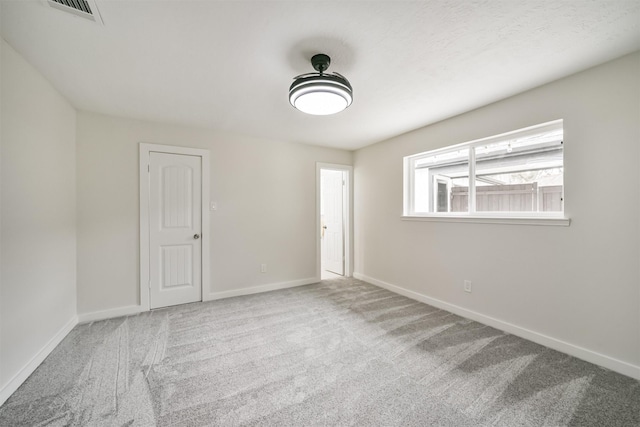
(213, 206)
(467, 285)
(263, 268)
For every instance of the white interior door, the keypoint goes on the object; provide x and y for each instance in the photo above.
(332, 182)
(175, 225)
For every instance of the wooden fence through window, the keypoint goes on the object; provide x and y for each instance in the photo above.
(509, 198)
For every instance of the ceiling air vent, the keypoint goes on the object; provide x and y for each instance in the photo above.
(86, 9)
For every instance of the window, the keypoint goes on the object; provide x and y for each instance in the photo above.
(517, 174)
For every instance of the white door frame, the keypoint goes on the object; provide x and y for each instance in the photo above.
(348, 217)
(145, 151)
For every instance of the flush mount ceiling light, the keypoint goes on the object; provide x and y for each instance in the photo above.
(320, 93)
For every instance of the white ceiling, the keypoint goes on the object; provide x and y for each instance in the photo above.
(228, 64)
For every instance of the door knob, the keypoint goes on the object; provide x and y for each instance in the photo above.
(196, 236)
(324, 226)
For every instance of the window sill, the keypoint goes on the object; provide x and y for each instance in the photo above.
(548, 221)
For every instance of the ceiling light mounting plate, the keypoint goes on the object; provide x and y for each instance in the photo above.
(320, 62)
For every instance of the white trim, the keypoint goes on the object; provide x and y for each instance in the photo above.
(348, 207)
(261, 288)
(136, 309)
(36, 360)
(110, 313)
(407, 186)
(473, 201)
(563, 222)
(520, 133)
(145, 150)
(591, 356)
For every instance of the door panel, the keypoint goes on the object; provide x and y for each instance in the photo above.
(333, 198)
(176, 266)
(174, 229)
(177, 183)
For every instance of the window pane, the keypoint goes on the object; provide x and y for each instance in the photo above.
(521, 175)
(436, 181)
(460, 194)
(442, 197)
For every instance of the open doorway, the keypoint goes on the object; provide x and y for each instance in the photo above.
(334, 220)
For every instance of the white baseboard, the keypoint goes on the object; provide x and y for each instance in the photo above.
(36, 360)
(110, 314)
(608, 362)
(262, 288)
(135, 309)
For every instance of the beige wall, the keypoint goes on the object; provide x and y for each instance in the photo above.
(265, 192)
(38, 247)
(580, 284)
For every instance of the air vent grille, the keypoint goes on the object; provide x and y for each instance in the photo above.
(81, 5)
(83, 8)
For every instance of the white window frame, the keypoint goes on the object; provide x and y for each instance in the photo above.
(525, 218)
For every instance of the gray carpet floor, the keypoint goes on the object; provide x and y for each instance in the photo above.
(340, 352)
